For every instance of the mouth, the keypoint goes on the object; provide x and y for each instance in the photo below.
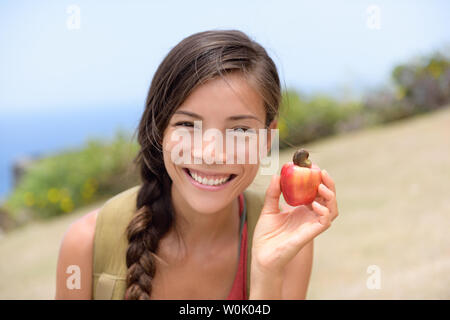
(209, 180)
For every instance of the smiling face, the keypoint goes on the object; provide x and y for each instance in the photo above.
(208, 187)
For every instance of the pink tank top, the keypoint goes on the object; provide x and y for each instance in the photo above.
(239, 289)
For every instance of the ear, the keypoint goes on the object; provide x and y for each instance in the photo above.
(273, 125)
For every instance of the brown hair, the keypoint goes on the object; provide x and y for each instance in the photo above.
(196, 59)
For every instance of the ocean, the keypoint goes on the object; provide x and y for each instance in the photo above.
(24, 133)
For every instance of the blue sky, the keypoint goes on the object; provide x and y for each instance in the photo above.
(110, 60)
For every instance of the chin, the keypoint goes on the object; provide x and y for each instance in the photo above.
(207, 205)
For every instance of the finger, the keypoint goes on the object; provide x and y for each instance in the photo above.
(323, 212)
(331, 206)
(328, 181)
(325, 193)
(321, 200)
(272, 196)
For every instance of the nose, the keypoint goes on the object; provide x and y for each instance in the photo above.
(210, 151)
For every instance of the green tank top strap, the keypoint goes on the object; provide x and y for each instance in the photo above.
(110, 245)
(110, 241)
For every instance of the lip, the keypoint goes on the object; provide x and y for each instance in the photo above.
(206, 187)
(209, 174)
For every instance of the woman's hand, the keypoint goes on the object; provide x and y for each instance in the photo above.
(279, 236)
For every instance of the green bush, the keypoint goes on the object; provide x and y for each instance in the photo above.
(420, 86)
(61, 182)
(305, 119)
(425, 82)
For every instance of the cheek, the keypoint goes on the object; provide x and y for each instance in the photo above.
(168, 164)
(249, 152)
(168, 147)
(170, 140)
(177, 147)
(249, 173)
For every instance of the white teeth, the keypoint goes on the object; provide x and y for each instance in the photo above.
(210, 182)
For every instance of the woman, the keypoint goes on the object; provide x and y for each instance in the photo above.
(187, 226)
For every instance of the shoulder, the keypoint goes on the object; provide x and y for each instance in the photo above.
(80, 233)
(83, 235)
(254, 197)
(75, 258)
(126, 200)
(114, 216)
(254, 201)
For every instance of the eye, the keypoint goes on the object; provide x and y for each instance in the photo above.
(184, 124)
(245, 129)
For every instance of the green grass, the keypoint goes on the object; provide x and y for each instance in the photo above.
(394, 204)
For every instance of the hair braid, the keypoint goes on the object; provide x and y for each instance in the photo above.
(148, 225)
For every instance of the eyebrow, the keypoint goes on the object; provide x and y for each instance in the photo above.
(236, 117)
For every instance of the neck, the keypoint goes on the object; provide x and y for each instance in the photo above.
(199, 231)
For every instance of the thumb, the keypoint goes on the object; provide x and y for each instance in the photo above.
(272, 196)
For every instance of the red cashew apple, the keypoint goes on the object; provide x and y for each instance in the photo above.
(300, 179)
